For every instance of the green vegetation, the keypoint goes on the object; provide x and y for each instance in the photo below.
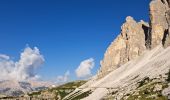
(81, 96)
(144, 81)
(148, 92)
(168, 79)
(73, 84)
(58, 92)
(34, 93)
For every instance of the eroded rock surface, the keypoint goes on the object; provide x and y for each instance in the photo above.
(136, 37)
(127, 46)
(160, 22)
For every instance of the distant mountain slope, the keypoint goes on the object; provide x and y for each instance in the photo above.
(17, 88)
(51, 93)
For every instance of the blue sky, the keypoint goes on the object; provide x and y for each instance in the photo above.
(65, 31)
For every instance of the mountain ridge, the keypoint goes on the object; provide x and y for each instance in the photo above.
(17, 88)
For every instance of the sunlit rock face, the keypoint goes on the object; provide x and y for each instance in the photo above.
(136, 37)
(127, 46)
(160, 22)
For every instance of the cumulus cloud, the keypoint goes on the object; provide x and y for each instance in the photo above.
(64, 78)
(24, 68)
(85, 67)
(2, 56)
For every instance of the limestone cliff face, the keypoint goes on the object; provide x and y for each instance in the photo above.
(127, 46)
(159, 22)
(136, 37)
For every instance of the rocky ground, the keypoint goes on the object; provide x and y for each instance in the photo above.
(150, 68)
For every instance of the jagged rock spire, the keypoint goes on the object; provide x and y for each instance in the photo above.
(135, 37)
(127, 46)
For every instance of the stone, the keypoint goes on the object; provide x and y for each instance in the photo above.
(167, 41)
(166, 91)
(157, 88)
(136, 37)
(159, 22)
(127, 46)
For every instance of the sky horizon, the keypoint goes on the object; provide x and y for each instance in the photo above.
(68, 35)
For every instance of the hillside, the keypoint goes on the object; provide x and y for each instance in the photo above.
(149, 71)
(136, 64)
(51, 93)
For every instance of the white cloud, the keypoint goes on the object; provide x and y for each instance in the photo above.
(64, 78)
(24, 69)
(2, 56)
(85, 67)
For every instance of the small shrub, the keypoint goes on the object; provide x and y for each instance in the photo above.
(168, 79)
(143, 82)
(160, 95)
(146, 91)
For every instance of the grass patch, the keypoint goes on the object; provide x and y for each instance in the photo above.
(146, 92)
(60, 91)
(34, 93)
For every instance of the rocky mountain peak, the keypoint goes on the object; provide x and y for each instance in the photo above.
(130, 19)
(127, 46)
(136, 37)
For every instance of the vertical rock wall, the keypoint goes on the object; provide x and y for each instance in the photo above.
(135, 37)
(159, 22)
(127, 46)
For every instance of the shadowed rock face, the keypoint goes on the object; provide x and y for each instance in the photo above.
(136, 37)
